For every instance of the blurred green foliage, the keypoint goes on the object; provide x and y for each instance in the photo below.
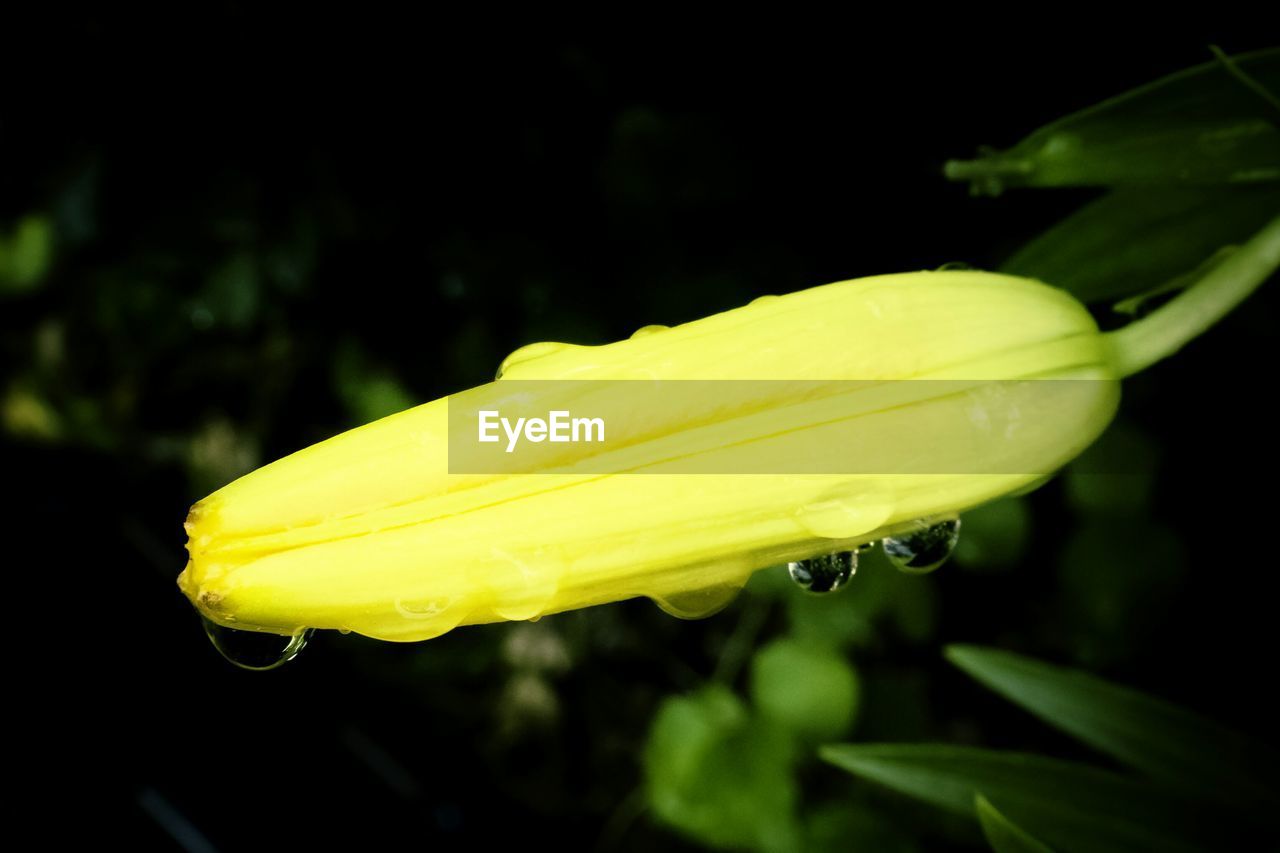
(1191, 164)
(1166, 743)
(721, 773)
(25, 255)
(1205, 787)
(806, 688)
(1202, 126)
(1139, 239)
(1072, 806)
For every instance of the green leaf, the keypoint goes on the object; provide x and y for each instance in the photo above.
(1071, 806)
(805, 687)
(1196, 127)
(720, 776)
(1002, 834)
(1164, 741)
(1136, 239)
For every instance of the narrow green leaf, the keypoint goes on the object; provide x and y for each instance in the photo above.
(1164, 741)
(1071, 806)
(1002, 834)
(1136, 239)
(1196, 127)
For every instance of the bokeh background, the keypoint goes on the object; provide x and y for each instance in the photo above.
(221, 256)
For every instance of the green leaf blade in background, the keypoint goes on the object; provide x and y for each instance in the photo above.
(1002, 834)
(1163, 741)
(1202, 126)
(1070, 806)
(1136, 239)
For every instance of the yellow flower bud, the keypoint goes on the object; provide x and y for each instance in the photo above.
(926, 391)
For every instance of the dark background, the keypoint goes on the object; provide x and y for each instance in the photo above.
(268, 233)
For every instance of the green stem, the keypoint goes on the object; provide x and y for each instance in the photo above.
(984, 168)
(1139, 345)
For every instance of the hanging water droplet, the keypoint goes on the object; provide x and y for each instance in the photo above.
(925, 548)
(522, 584)
(255, 650)
(827, 573)
(698, 603)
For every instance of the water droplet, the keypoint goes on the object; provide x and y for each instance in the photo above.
(698, 603)
(646, 331)
(255, 650)
(523, 585)
(430, 616)
(430, 608)
(431, 613)
(850, 511)
(924, 548)
(827, 573)
(531, 352)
